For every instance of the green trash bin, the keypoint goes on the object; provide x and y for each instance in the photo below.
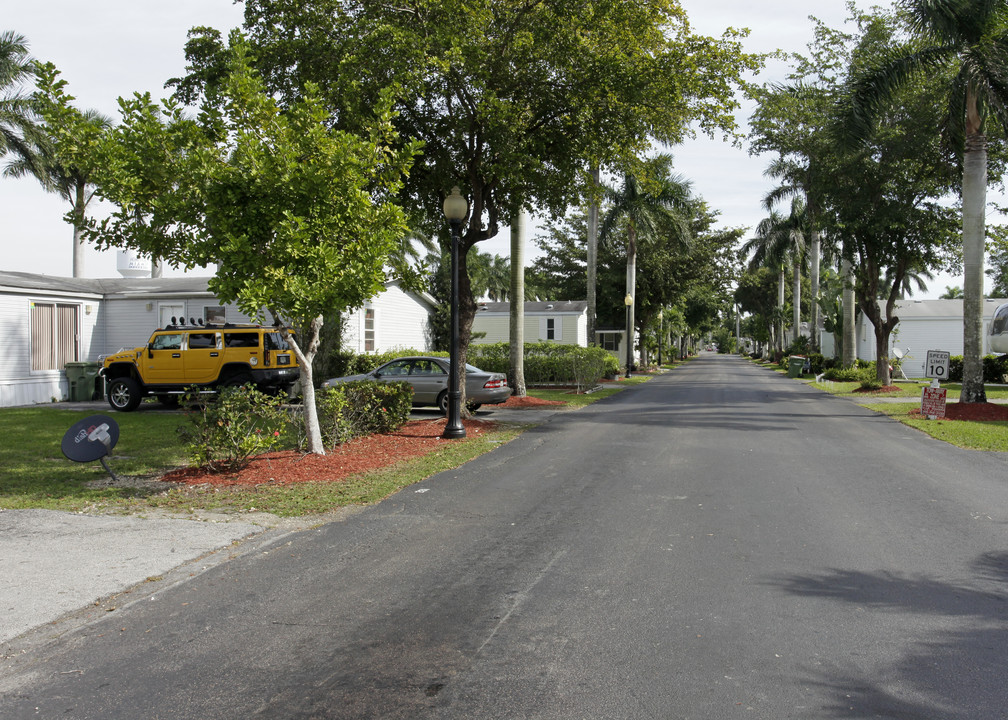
(84, 381)
(796, 363)
(75, 381)
(94, 383)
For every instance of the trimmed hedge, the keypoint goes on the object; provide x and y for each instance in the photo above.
(549, 363)
(995, 367)
(365, 407)
(545, 363)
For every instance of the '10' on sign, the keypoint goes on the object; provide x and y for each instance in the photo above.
(937, 365)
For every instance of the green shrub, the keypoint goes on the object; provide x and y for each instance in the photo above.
(240, 422)
(816, 362)
(361, 408)
(347, 362)
(870, 383)
(851, 374)
(800, 346)
(548, 363)
(995, 367)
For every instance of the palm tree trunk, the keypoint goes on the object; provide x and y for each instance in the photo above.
(593, 224)
(780, 306)
(796, 292)
(80, 203)
(517, 319)
(814, 249)
(974, 200)
(631, 285)
(849, 342)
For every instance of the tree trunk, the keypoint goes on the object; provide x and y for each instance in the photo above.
(517, 319)
(305, 356)
(814, 251)
(593, 221)
(631, 286)
(974, 199)
(796, 299)
(849, 342)
(80, 203)
(779, 344)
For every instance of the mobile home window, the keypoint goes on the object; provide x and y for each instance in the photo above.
(610, 341)
(369, 329)
(54, 333)
(550, 329)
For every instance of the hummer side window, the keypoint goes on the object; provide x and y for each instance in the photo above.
(167, 342)
(241, 339)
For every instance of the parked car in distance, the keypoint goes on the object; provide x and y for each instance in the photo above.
(429, 378)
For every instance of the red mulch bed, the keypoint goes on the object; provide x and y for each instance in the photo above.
(973, 411)
(415, 438)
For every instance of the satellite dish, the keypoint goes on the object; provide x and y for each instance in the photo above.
(898, 353)
(91, 439)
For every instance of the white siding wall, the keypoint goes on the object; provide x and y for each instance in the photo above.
(497, 328)
(401, 321)
(128, 323)
(19, 384)
(568, 329)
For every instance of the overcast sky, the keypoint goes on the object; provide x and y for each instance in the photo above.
(110, 48)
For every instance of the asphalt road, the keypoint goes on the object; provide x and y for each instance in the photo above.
(721, 542)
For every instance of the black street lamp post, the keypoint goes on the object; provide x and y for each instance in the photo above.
(455, 209)
(628, 301)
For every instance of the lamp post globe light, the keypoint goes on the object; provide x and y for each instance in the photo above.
(455, 209)
(628, 301)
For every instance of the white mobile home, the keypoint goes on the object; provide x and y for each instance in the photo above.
(924, 325)
(564, 322)
(48, 322)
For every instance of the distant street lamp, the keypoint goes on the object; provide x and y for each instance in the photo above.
(628, 301)
(455, 210)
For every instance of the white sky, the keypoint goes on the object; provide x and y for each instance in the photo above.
(110, 48)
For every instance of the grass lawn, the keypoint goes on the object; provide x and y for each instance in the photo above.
(987, 435)
(35, 474)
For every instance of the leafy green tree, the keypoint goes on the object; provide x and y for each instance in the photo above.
(792, 120)
(298, 217)
(63, 157)
(951, 293)
(964, 47)
(756, 295)
(885, 195)
(512, 100)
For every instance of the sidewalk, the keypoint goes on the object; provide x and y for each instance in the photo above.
(57, 562)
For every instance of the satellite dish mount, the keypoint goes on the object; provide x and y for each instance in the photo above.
(91, 439)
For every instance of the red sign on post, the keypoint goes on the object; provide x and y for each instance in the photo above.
(933, 403)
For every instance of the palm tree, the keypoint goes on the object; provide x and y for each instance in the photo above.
(780, 243)
(970, 38)
(651, 201)
(18, 130)
(798, 182)
(71, 180)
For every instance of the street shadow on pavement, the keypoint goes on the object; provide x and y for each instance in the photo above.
(953, 658)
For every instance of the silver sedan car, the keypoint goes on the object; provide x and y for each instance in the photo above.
(429, 378)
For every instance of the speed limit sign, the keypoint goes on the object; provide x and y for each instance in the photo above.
(937, 365)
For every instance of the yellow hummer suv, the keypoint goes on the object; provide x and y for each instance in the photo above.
(207, 357)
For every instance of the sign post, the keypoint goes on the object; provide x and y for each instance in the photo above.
(933, 398)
